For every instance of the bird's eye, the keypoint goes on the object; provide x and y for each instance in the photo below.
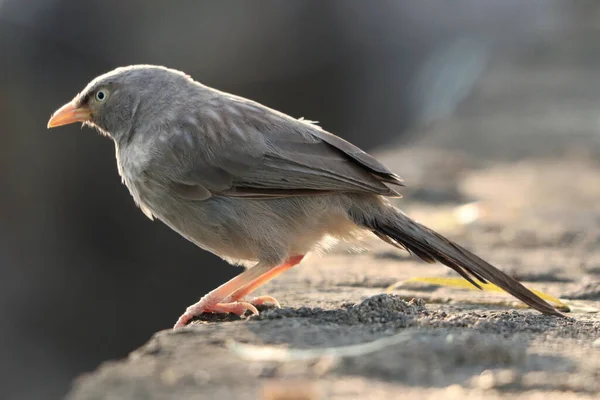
(101, 95)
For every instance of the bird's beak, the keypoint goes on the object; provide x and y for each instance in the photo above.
(69, 114)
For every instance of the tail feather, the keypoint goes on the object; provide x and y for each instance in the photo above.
(430, 246)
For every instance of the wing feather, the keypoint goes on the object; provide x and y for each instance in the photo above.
(243, 149)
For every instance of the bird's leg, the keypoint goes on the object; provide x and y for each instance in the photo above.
(212, 302)
(261, 280)
(224, 298)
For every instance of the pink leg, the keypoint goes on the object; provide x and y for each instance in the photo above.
(261, 280)
(224, 298)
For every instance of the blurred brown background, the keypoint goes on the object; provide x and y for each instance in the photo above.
(84, 276)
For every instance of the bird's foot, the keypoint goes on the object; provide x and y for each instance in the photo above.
(228, 298)
(260, 300)
(236, 307)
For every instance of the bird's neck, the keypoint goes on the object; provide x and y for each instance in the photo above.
(123, 135)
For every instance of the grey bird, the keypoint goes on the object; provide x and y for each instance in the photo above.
(253, 185)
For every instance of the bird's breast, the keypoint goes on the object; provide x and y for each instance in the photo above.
(133, 163)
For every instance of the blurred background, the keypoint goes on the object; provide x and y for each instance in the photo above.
(86, 277)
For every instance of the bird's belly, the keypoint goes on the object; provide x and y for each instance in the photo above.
(204, 223)
(247, 231)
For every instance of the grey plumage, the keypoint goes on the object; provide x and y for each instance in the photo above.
(253, 185)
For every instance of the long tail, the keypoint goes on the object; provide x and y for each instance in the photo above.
(399, 230)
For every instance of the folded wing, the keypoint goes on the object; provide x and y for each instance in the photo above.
(242, 149)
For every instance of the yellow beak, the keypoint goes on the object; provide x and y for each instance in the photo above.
(69, 114)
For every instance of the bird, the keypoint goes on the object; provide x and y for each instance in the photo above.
(253, 185)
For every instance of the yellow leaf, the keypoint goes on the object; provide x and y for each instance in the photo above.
(463, 284)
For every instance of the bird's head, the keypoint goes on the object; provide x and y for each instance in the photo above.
(111, 101)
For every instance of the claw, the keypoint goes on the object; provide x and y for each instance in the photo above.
(238, 307)
(260, 300)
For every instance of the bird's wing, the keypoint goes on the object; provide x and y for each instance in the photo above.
(239, 148)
